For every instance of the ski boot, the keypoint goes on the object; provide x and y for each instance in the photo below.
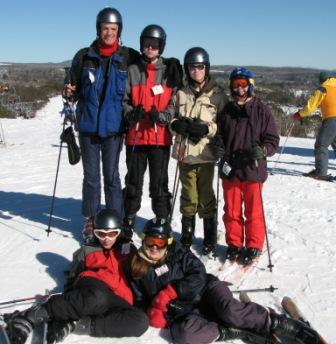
(226, 333)
(188, 230)
(21, 324)
(58, 330)
(87, 231)
(129, 226)
(293, 330)
(250, 256)
(210, 237)
(232, 253)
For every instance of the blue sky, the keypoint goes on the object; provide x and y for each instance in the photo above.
(256, 32)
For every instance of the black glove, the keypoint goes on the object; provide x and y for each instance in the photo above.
(197, 129)
(257, 152)
(154, 115)
(135, 116)
(180, 126)
(217, 147)
(68, 137)
(178, 309)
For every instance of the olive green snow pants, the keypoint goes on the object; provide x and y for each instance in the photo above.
(197, 194)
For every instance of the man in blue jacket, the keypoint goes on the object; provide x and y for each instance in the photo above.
(97, 81)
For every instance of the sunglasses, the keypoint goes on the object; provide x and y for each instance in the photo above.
(155, 241)
(196, 66)
(109, 234)
(239, 83)
(151, 42)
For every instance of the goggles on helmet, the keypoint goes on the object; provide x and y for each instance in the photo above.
(199, 66)
(106, 234)
(236, 83)
(154, 43)
(159, 242)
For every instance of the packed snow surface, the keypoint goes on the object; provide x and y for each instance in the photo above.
(300, 214)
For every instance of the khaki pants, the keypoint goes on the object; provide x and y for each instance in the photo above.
(197, 194)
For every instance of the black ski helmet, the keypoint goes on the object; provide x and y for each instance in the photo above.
(154, 31)
(107, 219)
(158, 227)
(109, 15)
(196, 55)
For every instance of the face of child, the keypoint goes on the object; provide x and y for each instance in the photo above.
(107, 238)
(151, 48)
(197, 72)
(155, 248)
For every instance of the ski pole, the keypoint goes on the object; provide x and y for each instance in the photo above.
(270, 265)
(270, 289)
(48, 230)
(217, 191)
(284, 145)
(32, 298)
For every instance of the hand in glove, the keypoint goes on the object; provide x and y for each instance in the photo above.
(162, 298)
(154, 115)
(156, 313)
(135, 116)
(156, 317)
(296, 116)
(217, 147)
(257, 152)
(180, 126)
(197, 130)
(178, 308)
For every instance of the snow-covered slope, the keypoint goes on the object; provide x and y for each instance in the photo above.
(300, 214)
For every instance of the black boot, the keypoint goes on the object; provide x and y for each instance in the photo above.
(232, 253)
(58, 330)
(188, 230)
(210, 236)
(129, 226)
(251, 255)
(20, 324)
(226, 333)
(293, 330)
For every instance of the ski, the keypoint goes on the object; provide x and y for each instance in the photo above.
(328, 178)
(293, 311)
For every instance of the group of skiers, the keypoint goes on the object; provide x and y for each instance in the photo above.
(116, 290)
(119, 90)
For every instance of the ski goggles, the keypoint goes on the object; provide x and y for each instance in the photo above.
(196, 66)
(154, 43)
(106, 234)
(236, 83)
(151, 241)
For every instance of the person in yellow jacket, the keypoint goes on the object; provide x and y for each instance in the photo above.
(325, 98)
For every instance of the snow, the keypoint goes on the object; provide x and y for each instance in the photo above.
(300, 215)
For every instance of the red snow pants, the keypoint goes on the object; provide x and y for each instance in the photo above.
(243, 213)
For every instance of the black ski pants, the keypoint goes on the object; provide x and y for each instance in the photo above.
(111, 315)
(218, 307)
(157, 159)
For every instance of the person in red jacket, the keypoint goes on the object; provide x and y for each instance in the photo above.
(172, 285)
(96, 296)
(246, 135)
(148, 110)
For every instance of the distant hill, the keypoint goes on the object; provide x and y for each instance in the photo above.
(284, 89)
